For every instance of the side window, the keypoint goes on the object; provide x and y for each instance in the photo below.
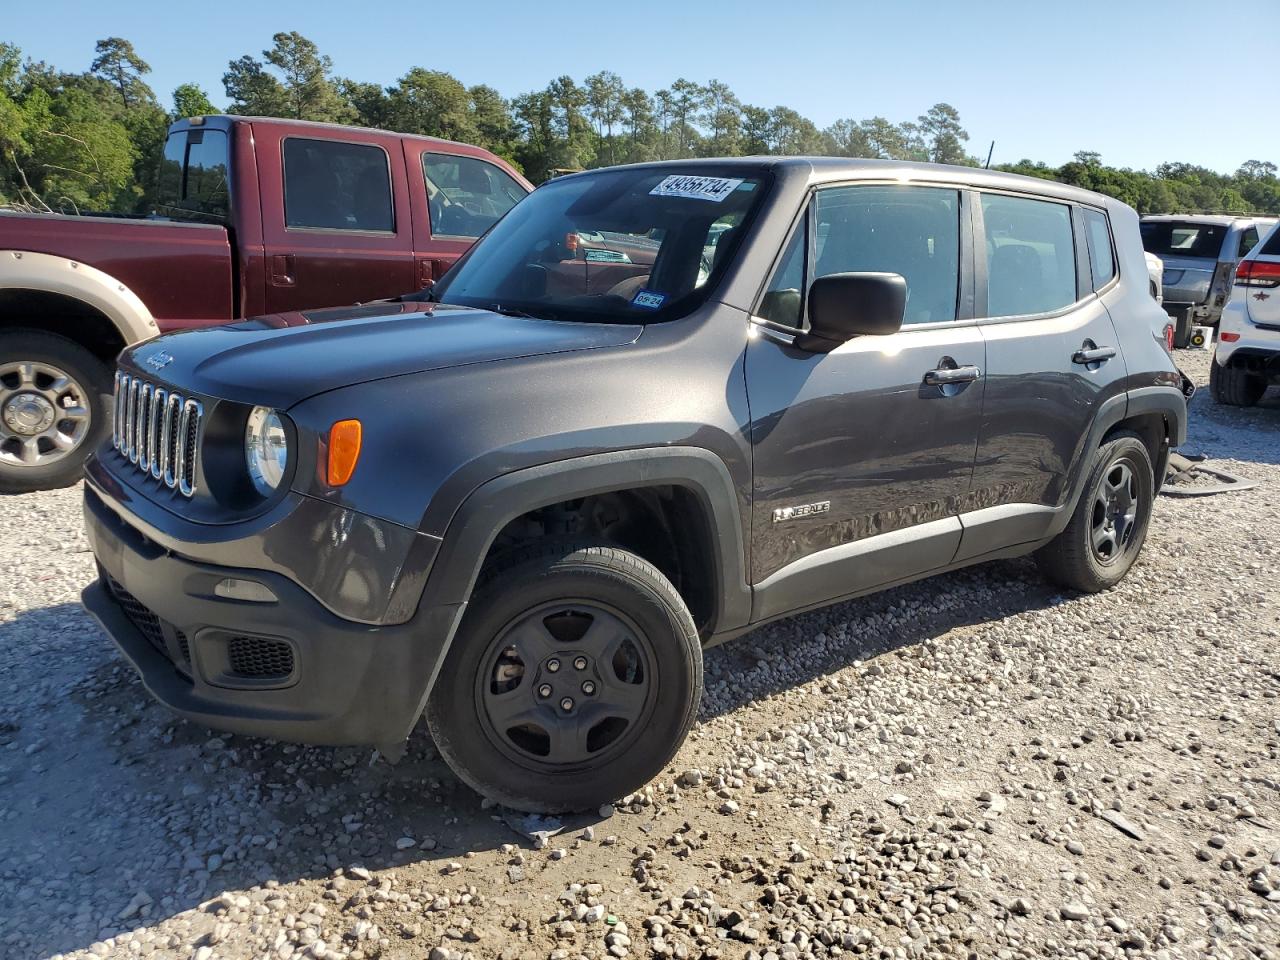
(465, 195)
(1248, 240)
(783, 301)
(1031, 258)
(1101, 257)
(912, 231)
(205, 190)
(169, 189)
(337, 186)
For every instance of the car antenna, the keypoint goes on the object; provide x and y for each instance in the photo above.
(987, 165)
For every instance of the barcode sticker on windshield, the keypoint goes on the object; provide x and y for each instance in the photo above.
(648, 299)
(714, 189)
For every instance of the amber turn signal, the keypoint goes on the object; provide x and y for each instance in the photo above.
(344, 451)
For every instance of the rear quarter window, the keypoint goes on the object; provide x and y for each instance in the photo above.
(1101, 257)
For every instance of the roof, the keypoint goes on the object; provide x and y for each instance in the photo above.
(1219, 219)
(226, 119)
(830, 169)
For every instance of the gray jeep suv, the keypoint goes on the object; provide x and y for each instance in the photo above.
(655, 407)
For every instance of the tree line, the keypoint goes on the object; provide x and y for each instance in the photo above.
(92, 140)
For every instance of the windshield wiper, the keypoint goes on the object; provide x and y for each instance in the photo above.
(511, 311)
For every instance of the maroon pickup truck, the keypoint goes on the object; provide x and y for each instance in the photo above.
(254, 216)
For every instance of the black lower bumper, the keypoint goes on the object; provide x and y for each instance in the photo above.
(289, 669)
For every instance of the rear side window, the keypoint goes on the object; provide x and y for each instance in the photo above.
(1101, 257)
(1175, 238)
(193, 176)
(465, 195)
(337, 186)
(912, 231)
(1031, 257)
(1272, 246)
(1248, 240)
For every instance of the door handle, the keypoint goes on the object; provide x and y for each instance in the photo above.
(1093, 355)
(282, 270)
(944, 376)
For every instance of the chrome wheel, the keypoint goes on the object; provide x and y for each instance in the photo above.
(1115, 512)
(565, 684)
(44, 413)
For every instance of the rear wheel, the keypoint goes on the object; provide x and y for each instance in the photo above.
(1106, 531)
(55, 401)
(573, 679)
(1235, 386)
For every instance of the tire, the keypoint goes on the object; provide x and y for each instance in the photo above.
(498, 713)
(1073, 558)
(31, 392)
(1234, 386)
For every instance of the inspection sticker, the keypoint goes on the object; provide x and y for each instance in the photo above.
(648, 299)
(714, 189)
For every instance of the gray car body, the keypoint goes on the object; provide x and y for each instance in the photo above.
(473, 419)
(1203, 284)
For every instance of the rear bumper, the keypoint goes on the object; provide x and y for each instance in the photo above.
(1259, 345)
(291, 669)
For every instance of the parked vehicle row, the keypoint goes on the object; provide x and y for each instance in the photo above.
(1199, 254)
(654, 407)
(255, 215)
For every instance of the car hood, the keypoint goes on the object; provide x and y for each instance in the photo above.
(281, 359)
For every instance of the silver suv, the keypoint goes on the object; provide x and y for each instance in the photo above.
(1200, 254)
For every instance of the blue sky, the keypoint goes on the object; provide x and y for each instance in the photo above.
(1139, 82)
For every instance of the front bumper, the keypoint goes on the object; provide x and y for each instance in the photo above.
(291, 669)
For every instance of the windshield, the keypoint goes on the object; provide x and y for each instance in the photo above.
(1172, 238)
(627, 245)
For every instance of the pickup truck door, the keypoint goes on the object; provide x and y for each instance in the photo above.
(862, 455)
(337, 227)
(457, 195)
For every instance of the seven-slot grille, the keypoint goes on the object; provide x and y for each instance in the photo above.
(158, 431)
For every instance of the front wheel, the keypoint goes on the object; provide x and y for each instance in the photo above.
(1106, 531)
(573, 679)
(55, 407)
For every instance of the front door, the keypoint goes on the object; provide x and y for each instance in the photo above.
(862, 455)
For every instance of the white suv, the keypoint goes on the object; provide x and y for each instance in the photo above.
(1247, 355)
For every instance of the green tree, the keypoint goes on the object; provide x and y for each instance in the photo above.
(190, 101)
(119, 65)
(252, 90)
(943, 134)
(304, 90)
(432, 103)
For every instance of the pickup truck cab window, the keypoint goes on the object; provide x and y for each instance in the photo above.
(908, 230)
(1031, 255)
(194, 176)
(630, 245)
(332, 185)
(465, 195)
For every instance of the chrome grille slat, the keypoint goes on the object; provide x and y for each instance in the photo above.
(155, 439)
(158, 430)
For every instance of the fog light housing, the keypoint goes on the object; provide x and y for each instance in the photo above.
(233, 588)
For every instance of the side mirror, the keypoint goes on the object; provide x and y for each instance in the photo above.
(847, 305)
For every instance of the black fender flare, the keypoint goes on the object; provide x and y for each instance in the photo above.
(488, 508)
(1165, 400)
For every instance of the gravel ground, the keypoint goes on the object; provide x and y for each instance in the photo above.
(973, 766)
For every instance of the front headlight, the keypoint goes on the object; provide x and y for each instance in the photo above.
(266, 449)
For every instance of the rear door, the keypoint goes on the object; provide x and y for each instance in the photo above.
(1053, 358)
(336, 223)
(456, 197)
